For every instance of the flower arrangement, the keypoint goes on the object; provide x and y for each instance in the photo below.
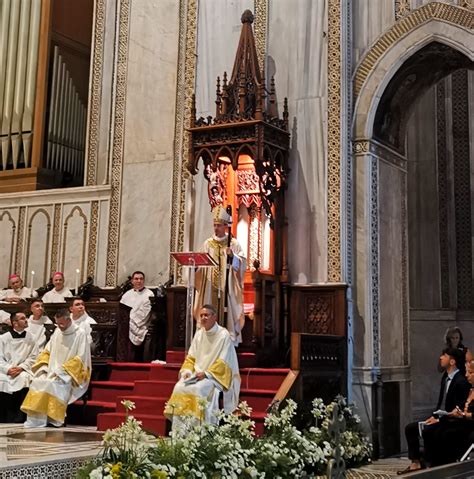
(231, 449)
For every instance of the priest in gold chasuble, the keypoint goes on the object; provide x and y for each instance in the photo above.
(61, 374)
(210, 281)
(210, 367)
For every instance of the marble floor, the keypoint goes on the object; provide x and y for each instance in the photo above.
(45, 452)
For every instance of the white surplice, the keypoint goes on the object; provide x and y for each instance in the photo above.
(4, 317)
(16, 352)
(22, 293)
(54, 296)
(85, 322)
(37, 330)
(61, 375)
(140, 313)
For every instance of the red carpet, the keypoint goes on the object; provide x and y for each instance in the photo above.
(150, 385)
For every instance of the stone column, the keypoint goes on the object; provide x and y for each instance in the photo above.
(381, 373)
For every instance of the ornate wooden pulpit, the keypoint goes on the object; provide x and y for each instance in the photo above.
(243, 151)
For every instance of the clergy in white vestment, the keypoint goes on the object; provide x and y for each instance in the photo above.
(36, 323)
(211, 366)
(18, 352)
(16, 292)
(210, 281)
(80, 317)
(61, 374)
(59, 292)
(138, 299)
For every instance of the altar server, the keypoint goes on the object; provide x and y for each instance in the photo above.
(18, 352)
(36, 323)
(138, 298)
(80, 317)
(61, 374)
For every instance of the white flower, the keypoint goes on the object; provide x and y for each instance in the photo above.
(128, 405)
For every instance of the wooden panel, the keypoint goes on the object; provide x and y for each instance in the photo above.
(13, 181)
(322, 361)
(176, 317)
(110, 335)
(318, 309)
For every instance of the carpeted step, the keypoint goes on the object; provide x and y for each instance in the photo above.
(144, 404)
(257, 399)
(107, 391)
(86, 415)
(247, 360)
(153, 423)
(262, 378)
(174, 357)
(164, 372)
(129, 371)
(259, 419)
(153, 388)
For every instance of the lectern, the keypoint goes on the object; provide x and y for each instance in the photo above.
(192, 261)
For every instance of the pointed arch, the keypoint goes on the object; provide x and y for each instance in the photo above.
(434, 22)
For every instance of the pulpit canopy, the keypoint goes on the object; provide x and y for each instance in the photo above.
(246, 133)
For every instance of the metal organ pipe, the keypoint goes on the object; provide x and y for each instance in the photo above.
(30, 88)
(66, 126)
(19, 40)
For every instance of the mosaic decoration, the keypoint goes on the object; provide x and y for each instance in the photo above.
(97, 50)
(120, 76)
(462, 189)
(431, 11)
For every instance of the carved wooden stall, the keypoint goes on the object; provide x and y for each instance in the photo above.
(110, 334)
(319, 340)
(243, 151)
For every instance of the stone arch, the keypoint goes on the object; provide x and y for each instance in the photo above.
(381, 309)
(434, 22)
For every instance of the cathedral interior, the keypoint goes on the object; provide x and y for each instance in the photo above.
(341, 132)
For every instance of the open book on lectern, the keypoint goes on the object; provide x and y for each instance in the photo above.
(194, 259)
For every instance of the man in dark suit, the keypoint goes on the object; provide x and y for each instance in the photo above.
(453, 393)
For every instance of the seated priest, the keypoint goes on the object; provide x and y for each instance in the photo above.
(210, 367)
(61, 374)
(36, 323)
(138, 299)
(59, 292)
(16, 292)
(18, 352)
(80, 317)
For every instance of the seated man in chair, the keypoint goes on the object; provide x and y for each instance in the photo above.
(210, 367)
(453, 394)
(18, 352)
(61, 374)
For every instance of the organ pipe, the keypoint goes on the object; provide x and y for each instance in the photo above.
(66, 126)
(19, 40)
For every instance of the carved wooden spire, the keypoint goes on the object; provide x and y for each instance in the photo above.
(246, 122)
